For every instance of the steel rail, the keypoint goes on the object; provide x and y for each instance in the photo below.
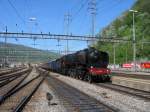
(13, 89)
(10, 71)
(126, 90)
(25, 100)
(8, 76)
(76, 99)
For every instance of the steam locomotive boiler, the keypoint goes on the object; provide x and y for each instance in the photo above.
(88, 64)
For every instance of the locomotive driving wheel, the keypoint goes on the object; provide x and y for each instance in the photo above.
(108, 78)
(89, 78)
(71, 74)
(81, 75)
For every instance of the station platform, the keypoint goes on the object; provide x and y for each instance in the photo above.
(136, 83)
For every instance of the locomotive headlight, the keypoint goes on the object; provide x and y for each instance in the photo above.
(108, 70)
(91, 66)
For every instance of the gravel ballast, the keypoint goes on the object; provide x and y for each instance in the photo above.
(40, 103)
(123, 102)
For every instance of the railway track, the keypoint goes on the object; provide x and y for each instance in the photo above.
(7, 88)
(75, 100)
(8, 71)
(137, 76)
(6, 79)
(17, 98)
(126, 90)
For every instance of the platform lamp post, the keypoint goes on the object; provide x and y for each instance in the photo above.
(134, 41)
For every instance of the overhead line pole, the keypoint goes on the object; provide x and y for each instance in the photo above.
(67, 22)
(5, 58)
(92, 8)
(114, 55)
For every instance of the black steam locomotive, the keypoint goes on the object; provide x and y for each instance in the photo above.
(88, 64)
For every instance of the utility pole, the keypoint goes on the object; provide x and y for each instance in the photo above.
(16, 41)
(134, 41)
(114, 45)
(126, 55)
(58, 45)
(5, 59)
(114, 50)
(142, 41)
(17, 32)
(92, 10)
(67, 21)
(34, 52)
(34, 42)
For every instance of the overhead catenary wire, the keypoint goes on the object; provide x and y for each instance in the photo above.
(84, 3)
(110, 6)
(103, 2)
(16, 11)
(2, 26)
(104, 10)
(101, 10)
(80, 7)
(76, 5)
(30, 13)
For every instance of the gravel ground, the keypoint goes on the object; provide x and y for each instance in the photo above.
(40, 103)
(32, 75)
(121, 101)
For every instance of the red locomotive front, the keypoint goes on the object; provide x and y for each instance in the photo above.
(99, 71)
